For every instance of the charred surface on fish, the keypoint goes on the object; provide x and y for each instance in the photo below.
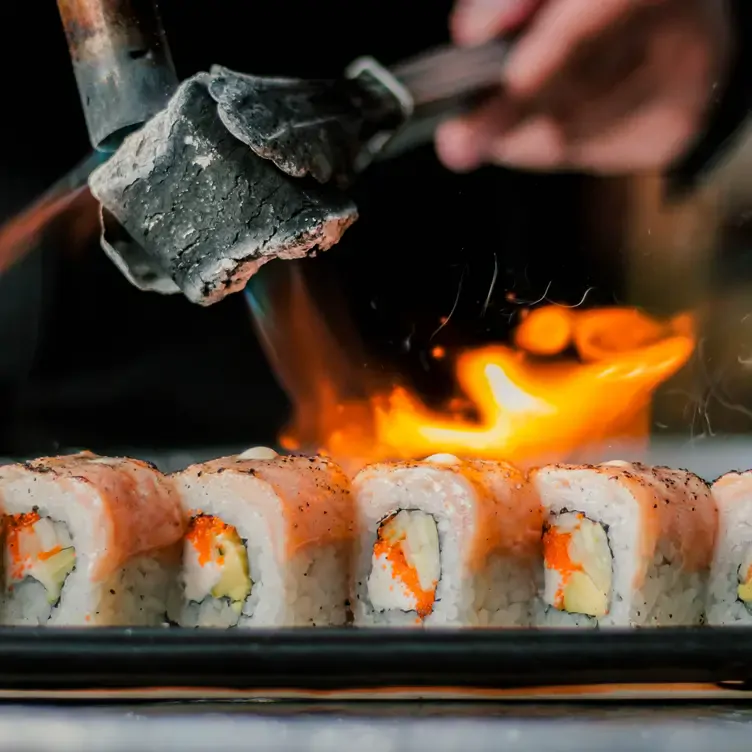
(204, 208)
(314, 128)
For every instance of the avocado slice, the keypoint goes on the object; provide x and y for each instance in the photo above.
(235, 582)
(744, 591)
(582, 596)
(52, 572)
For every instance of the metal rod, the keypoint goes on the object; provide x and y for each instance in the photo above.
(122, 63)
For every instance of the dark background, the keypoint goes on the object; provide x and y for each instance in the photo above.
(87, 360)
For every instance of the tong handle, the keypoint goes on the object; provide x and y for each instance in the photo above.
(420, 129)
(428, 89)
(448, 73)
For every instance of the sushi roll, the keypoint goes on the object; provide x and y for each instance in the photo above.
(445, 542)
(268, 542)
(88, 540)
(730, 588)
(624, 544)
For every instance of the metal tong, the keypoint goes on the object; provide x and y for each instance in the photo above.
(332, 129)
(432, 87)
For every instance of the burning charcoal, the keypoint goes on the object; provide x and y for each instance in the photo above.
(311, 128)
(203, 210)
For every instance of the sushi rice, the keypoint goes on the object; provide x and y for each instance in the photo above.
(613, 549)
(268, 542)
(445, 542)
(88, 541)
(263, 540)
(730, 588)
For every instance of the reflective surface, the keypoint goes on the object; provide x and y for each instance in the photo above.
(404, 727)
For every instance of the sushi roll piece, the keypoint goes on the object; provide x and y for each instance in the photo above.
(268, 543)
(446, 542)
(624, 545)
(730, 588)
(88, 540)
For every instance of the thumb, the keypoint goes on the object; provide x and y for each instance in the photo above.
(477, 21)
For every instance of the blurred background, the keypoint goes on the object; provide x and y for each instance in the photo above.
(87, 360)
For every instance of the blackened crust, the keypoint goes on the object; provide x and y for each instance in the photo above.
(204, 208)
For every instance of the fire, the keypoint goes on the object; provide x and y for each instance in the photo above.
(531, 406)
(571, 384)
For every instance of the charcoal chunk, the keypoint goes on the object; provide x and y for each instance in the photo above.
(314, 127)
(204, 210)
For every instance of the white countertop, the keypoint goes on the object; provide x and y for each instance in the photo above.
(381, 727)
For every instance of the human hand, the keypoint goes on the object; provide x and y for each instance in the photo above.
(605, 87)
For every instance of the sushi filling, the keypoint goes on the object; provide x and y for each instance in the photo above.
(744, 589)
(215, 563)
(406, 565)
(578, 565)
(40, 549)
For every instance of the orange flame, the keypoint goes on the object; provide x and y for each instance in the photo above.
(572, 384)
(532, 409)
(20, 233)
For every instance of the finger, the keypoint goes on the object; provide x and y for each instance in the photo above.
(560, 136)
(651, 138)
(538, 144)
(578, 104)
(463, 144)
(456, 148)
(477, 21)
(559, 29)
(500, 132)
(654, 110)
(597, 105)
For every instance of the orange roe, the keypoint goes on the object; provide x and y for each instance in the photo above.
(407, 575)
(16, 524)
(556, 555)
(203, 531)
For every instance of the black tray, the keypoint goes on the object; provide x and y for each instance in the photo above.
(331, 660)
